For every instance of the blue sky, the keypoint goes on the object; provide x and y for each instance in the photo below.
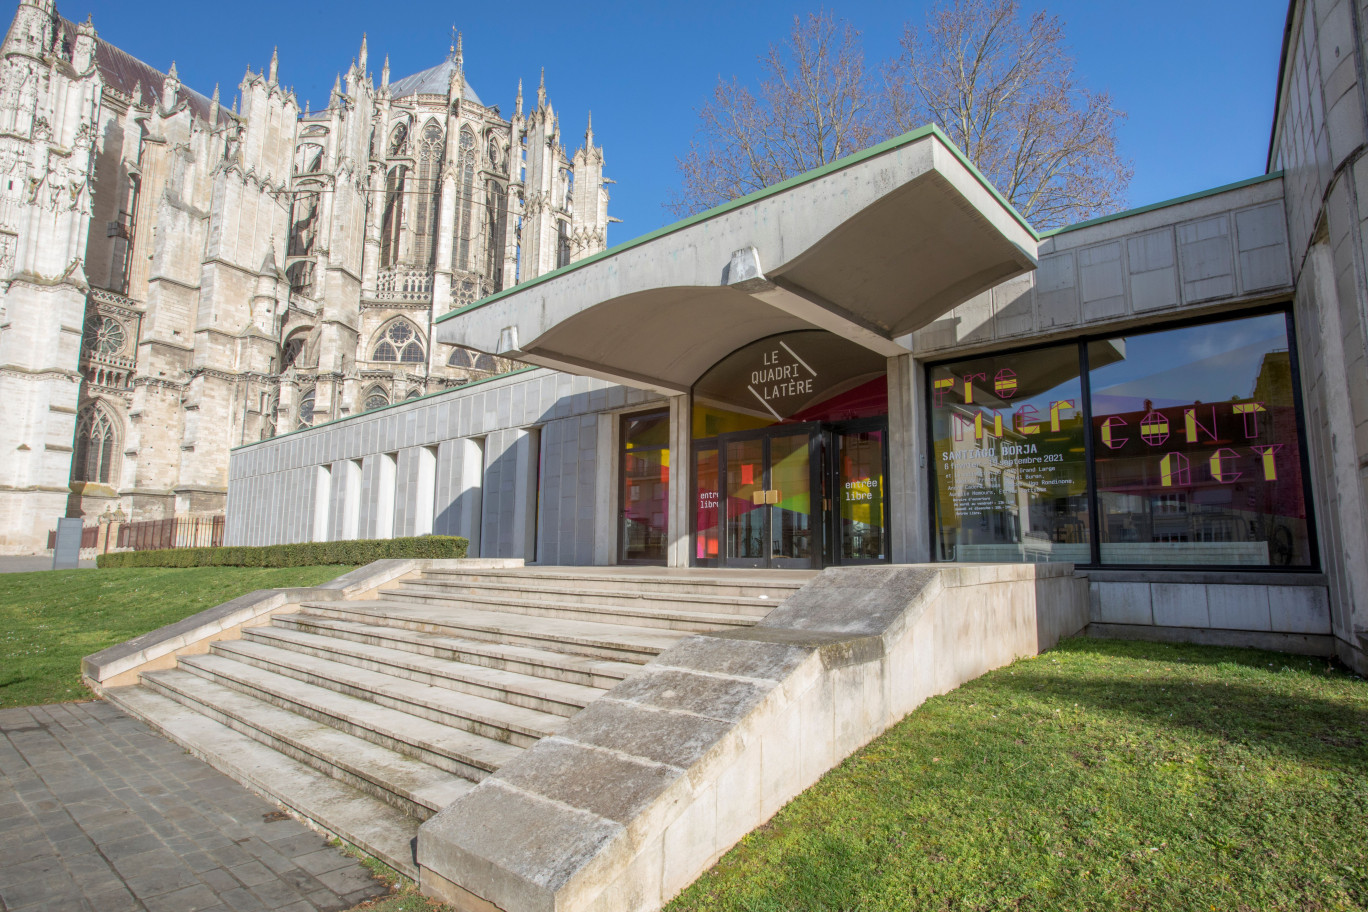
(1196, 77)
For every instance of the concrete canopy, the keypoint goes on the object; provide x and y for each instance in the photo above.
(871, 247)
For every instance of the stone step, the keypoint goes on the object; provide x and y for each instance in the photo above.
(693, 621)
(488, 718)
(556, 697)
(778, 585)
(403, 782)
(445, 747)
(657, 597)
(366, 822)
(619, 642)
(528, 660)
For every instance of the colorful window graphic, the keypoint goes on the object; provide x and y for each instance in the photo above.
(1010, 466)
(1196, 454)
(1198, 458)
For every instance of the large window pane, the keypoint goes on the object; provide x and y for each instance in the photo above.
(1008, 445)
(645, 486)
(1196, 446)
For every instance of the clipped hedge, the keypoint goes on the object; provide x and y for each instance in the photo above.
(310, 554)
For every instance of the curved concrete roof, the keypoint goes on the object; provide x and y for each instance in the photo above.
(871, 247)
(433, 81)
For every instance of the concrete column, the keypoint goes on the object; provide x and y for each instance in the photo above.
(681, 480)
(607, 490)
(908, 491)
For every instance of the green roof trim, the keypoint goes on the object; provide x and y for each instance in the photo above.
(1101, 220)
(840, 164)
(392, 405)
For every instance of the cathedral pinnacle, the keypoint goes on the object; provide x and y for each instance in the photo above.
(171, 73)
(214, 107)
(589, 132)
(275, 66)
(384, 73)
(541, 90)
(460, 54)
(363, 55)
(517, 109)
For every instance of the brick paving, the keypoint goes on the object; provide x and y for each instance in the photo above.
(100, 813)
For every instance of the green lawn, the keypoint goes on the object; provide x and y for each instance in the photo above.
(49, 621)
(1103, 775)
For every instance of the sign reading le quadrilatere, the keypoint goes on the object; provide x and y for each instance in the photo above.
(783, 381)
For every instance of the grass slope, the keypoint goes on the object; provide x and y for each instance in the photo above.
(49, 621)
(1103, 775)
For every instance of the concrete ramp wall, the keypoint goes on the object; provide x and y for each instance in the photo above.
(649, 785)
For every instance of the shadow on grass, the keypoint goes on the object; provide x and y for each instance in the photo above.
(1282, 712)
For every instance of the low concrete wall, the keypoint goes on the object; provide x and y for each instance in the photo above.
(125, 662)
(1287, 612)
(650, 784)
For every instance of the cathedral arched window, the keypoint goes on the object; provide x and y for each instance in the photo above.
(427, 193)
(306, 409)
(96, 445)
(290, 352)
(461, 357)
(413, 394)
(375, 398)
(465, 202)
(399, 141)
(496, 223)
(304, 224)
(399, 342)
(393, 219)
(486, 363)
(270, 403)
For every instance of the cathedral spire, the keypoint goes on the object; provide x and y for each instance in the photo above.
(170, 88)
(275, 65)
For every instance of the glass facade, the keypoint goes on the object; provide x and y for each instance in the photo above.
(1178, 447)
(789, 454)
(645, 487)
(1010, 458)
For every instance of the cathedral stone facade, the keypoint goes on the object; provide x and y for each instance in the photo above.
(180, 274)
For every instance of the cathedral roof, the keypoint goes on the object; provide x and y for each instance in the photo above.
(124, 72)
(433, 81)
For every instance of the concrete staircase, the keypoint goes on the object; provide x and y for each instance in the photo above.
(368, 717)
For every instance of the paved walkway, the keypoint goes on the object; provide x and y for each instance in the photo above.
(25, 564)
(99, 813)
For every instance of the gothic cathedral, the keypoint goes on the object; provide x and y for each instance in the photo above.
(179, 276)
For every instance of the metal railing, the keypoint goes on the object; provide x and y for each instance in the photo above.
(150, 534)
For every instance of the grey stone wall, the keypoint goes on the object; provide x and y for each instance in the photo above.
(516, 470)
(1219, 251)
(1319, 141)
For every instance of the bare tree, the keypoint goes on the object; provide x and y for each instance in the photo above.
(814, 104)
(1004, 91)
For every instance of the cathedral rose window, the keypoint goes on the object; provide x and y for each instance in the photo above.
(375, 399)
(107, 337)
(306, 410)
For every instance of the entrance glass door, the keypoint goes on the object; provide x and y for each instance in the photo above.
(769, 482)
(859, 519)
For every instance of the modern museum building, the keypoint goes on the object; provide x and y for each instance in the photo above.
(881, 361)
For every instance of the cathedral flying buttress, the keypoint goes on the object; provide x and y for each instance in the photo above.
(181, 274)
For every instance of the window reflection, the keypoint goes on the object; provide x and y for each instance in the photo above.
(1011, 478)
(1197, 452)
